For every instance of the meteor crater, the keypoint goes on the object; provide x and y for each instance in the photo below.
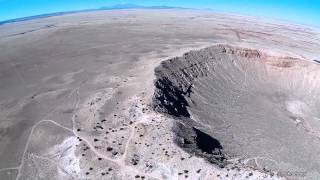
(261, 109)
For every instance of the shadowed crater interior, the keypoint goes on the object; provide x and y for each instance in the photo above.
(261, 109)
(206, 143)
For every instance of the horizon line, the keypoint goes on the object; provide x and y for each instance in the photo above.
(125, 6)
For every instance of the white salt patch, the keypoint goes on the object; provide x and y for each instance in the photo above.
(296, 107)
(65, 156)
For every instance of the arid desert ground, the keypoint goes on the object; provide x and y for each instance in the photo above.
(159, 94)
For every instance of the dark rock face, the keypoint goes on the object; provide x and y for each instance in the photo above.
(174, 84)
(170, 99)
(197, 142)
(206, 143)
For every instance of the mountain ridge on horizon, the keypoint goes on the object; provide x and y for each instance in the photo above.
(114, 7)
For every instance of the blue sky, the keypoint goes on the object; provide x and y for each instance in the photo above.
(301, 11)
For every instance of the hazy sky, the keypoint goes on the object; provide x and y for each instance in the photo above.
(301, 11)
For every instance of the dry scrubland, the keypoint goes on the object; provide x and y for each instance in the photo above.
(119, 95)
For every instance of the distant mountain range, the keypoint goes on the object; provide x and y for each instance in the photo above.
(135, 6)
(118, 6)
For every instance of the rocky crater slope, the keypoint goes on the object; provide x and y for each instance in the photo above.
(240, 104)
